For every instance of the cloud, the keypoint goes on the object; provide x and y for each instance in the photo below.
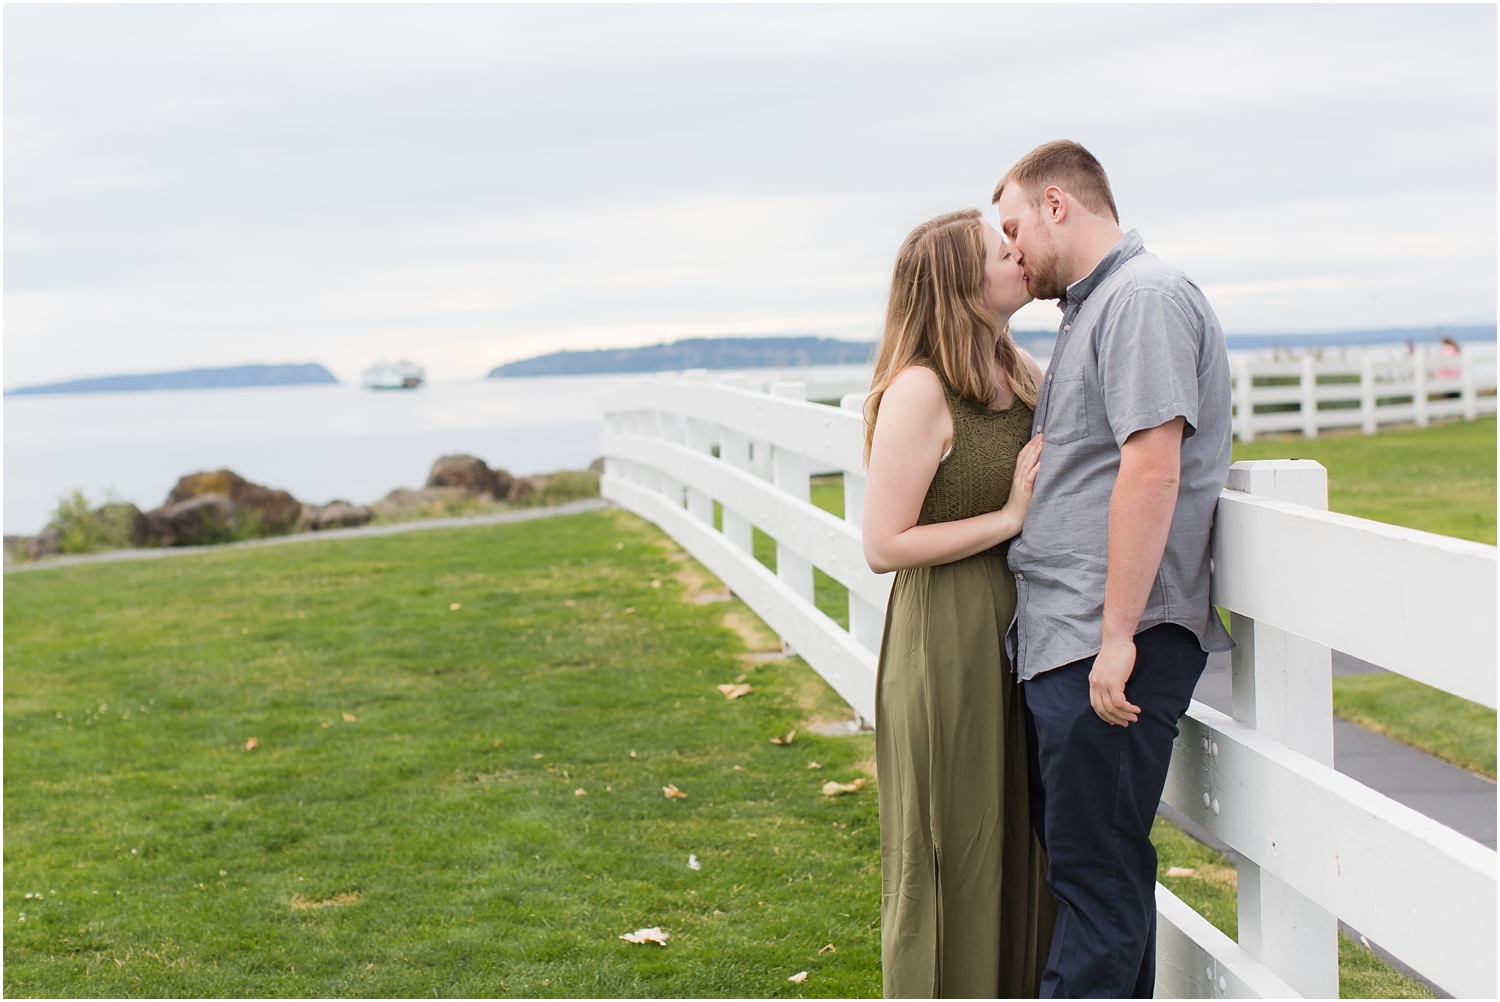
(197, 185)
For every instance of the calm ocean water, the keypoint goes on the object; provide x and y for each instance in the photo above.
(319, 442)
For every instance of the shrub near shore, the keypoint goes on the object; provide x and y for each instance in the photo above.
(222, 507)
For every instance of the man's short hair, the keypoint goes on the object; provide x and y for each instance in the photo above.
(1070, 167)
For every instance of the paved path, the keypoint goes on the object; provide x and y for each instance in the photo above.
(420, 525)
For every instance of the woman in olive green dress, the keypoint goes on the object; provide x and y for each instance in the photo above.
(965, 910)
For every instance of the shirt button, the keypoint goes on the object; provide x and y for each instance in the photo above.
(1067, 327)
(1020, 576)
(1049, 377)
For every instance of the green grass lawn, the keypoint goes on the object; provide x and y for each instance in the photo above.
(435, 842)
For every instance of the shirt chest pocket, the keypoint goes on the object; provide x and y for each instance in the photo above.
(1067, 417)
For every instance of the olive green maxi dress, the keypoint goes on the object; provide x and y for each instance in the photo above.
(964, 909)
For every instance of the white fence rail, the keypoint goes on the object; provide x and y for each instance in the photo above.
(1314, 846)
(1363, 389)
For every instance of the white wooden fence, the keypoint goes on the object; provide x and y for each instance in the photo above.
(1314, 846)
(1364, 388)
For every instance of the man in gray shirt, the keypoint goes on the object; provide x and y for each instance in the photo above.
(1113, 615)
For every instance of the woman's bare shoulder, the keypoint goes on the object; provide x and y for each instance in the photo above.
(914, 391)
(916, 381)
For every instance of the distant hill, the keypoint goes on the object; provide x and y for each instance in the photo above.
(695, 353)
(191, 379)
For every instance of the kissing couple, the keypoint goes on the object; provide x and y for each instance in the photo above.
(1050, 614)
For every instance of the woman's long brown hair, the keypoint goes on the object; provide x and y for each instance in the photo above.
(937, 312)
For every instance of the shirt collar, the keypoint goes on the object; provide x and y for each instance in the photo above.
(1129, 246)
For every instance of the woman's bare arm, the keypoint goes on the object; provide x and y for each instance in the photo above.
(912, 432)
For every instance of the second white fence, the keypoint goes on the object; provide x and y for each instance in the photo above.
(1364, 389)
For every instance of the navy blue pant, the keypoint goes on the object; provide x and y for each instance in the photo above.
(1094, 790)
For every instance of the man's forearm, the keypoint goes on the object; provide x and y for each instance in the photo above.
(1140, 518)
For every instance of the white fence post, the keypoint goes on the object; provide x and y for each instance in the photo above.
(734, 449)
(866, 622)
(701, 437)
(1309, 386)
(1469, 390)
(1367, 418)
(1419, 385)
(670, 427)
(1283, 687)
(1244, 401)
(789, 473)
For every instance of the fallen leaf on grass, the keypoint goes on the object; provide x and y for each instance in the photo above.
(732, 691)
(693, 863)
(742, 678)
(785, 739)
(349, 718)
(1181, 871)
(798, 978)
(328, 723)
(656, 583)
(814, 765)
(454, 607)
(833, 789)
(652, 935)
(670, 791)
(537, 755)
(580, 792)
(251, 745)
(569, 602)
(830, 948)
(739, 768)
(632, 754)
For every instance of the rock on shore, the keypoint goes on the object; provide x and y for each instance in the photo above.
(216, 507)
(276, 510)
(195, 520)
(472, 474)
(333, 515)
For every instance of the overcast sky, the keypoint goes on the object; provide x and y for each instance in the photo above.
(466, 185)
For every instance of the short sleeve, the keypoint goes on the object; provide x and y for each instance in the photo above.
(1148, 364)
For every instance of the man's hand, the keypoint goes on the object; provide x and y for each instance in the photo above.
(1112, 668)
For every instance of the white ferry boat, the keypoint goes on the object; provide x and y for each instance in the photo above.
(402, 375)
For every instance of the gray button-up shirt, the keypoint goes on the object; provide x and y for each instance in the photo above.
(1138, 346)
